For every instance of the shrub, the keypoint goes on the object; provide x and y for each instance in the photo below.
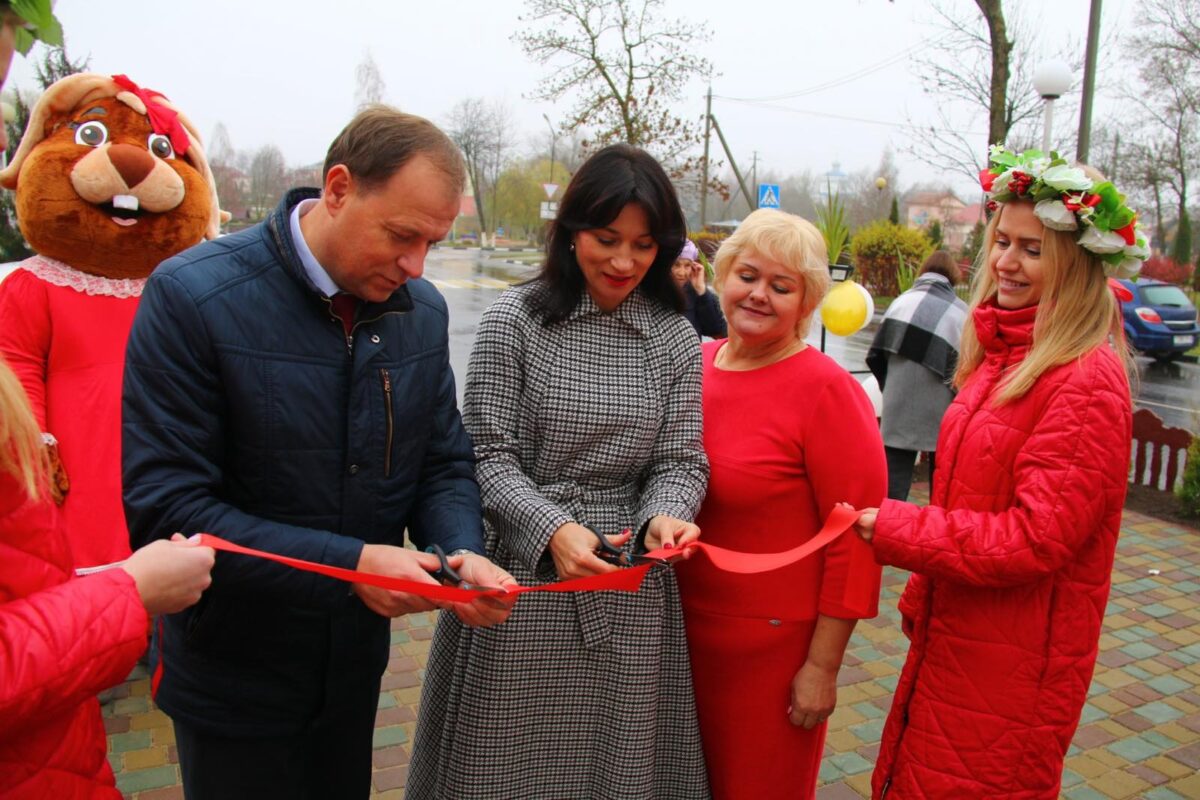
(1165, 268)
(1189, 491)
(831, 222)
(878, 250)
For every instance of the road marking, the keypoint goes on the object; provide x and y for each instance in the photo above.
(1164, 405)
(464, 283)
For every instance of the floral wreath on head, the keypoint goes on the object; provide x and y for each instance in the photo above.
(1066, 199)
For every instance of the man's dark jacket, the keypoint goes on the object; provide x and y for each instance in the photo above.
(247, 416)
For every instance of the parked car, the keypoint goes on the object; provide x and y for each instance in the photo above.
(1160, 320)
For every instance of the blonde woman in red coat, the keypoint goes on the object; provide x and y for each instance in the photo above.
(63, 639)
(1011, 559)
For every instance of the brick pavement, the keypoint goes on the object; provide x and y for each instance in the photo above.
(1139, 736)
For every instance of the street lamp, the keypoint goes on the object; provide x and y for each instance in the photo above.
(1052, 80)
(553, 141)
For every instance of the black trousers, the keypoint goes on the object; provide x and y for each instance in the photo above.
(329, 761)
(900, 465)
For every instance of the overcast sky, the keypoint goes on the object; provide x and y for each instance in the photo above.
(283, 71)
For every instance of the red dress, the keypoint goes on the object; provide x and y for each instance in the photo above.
(785, 442)
(63, 332)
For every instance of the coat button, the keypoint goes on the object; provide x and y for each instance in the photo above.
(354, 469)
(375, 338)
(776, 622)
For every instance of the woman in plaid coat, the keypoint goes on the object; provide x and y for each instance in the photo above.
(583, 400)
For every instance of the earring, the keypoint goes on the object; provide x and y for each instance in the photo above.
(572, 247)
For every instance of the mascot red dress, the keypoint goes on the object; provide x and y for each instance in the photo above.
(110, 180)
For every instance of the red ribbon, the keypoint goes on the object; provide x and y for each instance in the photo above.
(622, 580)
(163, 120)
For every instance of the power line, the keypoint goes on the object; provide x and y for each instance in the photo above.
(848, 78)
(844, 117)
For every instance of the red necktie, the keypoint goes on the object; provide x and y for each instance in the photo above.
(345, 305)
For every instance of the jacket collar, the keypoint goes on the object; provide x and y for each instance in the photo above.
(279, 232)
(1001, 330)
(636, 311)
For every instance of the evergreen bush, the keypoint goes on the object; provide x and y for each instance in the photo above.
(878, 250)
(1189, 491)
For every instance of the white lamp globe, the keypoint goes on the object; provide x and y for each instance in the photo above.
(1053, 79)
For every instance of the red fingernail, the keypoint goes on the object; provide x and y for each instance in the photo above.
(668, 546)
(627, 531)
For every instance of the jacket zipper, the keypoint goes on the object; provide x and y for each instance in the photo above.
(349, 336)
(387, 403)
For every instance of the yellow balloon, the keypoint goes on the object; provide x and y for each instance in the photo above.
(847, 309)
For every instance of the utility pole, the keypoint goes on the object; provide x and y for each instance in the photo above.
(754, 179)
(704, 172)
(1089, 84)
(732, 162)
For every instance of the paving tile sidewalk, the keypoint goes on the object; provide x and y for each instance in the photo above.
(1139, 737)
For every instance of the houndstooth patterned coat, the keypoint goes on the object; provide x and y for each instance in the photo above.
(587, 695)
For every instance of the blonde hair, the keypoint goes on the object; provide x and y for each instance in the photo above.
(786, 239)
(21, 452)
(1076, 314)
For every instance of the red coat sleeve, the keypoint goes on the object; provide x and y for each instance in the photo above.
(64, 644)
(1074, 459)
(843, 455)
(25, 335)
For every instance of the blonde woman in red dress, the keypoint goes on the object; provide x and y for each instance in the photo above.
(788, 433)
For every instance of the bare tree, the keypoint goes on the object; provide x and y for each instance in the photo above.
(369, 88)
(625, 66)
(484, 133)
(223, 159)
(1166, 150)
(979, 69)
(268, 179)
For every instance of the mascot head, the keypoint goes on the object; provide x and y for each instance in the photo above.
(111, 178)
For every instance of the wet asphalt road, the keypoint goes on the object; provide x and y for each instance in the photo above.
(471, 280)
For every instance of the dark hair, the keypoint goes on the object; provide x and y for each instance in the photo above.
(380, 140)
(607, 182)
(942, 263)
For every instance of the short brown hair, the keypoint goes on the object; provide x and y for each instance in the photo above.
(381, 139)
(942, 263)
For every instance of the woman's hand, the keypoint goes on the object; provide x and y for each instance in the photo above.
(574, 550)
(814, 695)
(696, 276)
(170, 576)
(865, 526)
(668, 532)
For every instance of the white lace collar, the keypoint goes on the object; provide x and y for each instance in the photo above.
(57, 273)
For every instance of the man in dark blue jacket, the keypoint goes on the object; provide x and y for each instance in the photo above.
(289, 388)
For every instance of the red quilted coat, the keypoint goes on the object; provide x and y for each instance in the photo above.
(1011, 564)
(61, 642)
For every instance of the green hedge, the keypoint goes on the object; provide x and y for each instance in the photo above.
(877, 251)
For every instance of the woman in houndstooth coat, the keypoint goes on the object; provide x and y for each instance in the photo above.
(583, 400)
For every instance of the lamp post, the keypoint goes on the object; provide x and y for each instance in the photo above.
(553, 141)
(1052, 80)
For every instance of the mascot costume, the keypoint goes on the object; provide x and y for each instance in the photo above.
(110, 180)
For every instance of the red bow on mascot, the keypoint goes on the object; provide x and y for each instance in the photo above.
(110, 180)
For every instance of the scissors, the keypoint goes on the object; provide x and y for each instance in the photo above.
(614, 555)
(448, 575)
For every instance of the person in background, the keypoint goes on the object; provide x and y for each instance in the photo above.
(288, 387)
(788, 433)
(62, 638)
(913, 358)
(1012, 558)
(583, 400)
(700, 304)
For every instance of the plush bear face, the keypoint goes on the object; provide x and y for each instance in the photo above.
(105, 194)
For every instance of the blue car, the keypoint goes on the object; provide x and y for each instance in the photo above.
(1160, 320)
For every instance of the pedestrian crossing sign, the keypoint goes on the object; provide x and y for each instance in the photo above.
(768, 195)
